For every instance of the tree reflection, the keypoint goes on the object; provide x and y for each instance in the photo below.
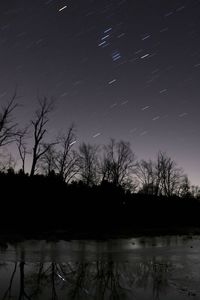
(102, 279)
(7, 294)
(155, 273)
(22, 292)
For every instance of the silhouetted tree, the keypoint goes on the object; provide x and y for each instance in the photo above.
(8, 128)
(89, 163)
(118, 163)
(47, 161)
(195, 190)
(168, 176)
(184, 188)
(22, 147)
(7, 163)
(66, 159)
(145, 172)
(39, 130)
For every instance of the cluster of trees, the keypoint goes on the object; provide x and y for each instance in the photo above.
(114, 163)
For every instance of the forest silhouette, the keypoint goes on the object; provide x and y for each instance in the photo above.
(86, 188)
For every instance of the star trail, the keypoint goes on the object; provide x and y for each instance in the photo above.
(123, 69)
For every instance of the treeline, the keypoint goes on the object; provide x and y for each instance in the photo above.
(42, 203)
(115, 162)
(98, 187)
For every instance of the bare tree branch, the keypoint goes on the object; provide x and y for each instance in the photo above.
(39, 130)
(89, 163)
(7, 126)
(66, 160)
(168, 175)
(22, 146)
(118, 163)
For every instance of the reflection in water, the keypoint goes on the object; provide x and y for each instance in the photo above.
(85, 280)
(121, 269)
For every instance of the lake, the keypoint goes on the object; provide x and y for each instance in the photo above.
(138, 268)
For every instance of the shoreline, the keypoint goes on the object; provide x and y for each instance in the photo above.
(13, 236)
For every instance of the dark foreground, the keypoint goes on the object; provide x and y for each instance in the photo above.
(42, 207)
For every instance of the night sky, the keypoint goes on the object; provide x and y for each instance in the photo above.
(127, 69)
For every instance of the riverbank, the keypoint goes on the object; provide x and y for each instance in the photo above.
(13, 236)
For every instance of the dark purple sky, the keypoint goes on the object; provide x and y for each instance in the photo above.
(128, 69)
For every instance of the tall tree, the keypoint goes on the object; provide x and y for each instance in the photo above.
(39, 125)
(118, 163)
(66, 159)
(22, 147)
(184, 188)
(168, 175)
(145, 172)
(89, 163)
(47, 161)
